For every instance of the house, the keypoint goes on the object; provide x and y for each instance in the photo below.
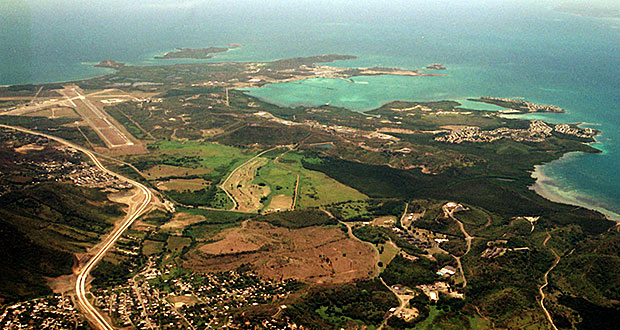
(446, 271)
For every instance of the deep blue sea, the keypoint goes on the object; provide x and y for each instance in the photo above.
(511, 48)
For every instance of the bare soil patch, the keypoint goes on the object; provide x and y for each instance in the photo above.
(180, 301)
(29, 147)
(280, 203)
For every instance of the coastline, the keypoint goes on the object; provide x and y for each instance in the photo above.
(548, 188)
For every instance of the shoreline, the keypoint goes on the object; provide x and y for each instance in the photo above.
(548, 188)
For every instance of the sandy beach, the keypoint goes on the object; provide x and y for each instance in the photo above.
(549, 189)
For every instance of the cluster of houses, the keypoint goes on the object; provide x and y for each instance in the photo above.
(53, 312)
(179, 300)
(538, 131)
(433, 290)
(85, 175)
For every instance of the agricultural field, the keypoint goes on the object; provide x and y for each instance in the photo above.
(176, 244)
(191, 155)
(150, 248)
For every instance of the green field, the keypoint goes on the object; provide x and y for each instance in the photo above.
(315, 188)
(152, 247)
(175, 244)
(201, 154)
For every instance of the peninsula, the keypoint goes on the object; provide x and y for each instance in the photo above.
(518, 106)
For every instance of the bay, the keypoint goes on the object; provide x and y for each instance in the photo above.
(509, 49)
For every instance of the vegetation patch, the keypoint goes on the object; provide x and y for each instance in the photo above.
(346, 306)
(298, 218)
(409, 273)
(176, 244)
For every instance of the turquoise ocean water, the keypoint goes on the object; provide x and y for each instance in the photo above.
(513, 49)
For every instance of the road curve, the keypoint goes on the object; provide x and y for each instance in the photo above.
(223, 184)
(98, 321)
(468, 239)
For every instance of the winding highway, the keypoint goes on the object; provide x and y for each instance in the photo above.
(468, 239)
(135, 211)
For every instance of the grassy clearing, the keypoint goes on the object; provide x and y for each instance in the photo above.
(183, 184)
(280, 180)
(314, 189)
(211, 155)
(150, 248)
(428, 322)
(175, 244)
(387, 253)
(478, 323)
(214, 223)
(164, 171)
(367, 210)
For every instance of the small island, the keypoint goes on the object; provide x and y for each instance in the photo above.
(196, 53)
(435, 66)
(518, 106)
(110, 64)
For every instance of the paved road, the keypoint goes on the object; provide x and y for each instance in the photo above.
(98, 321)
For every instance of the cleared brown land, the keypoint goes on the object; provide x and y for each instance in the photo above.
(313, 254)
(29, 147)
(280, 203)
